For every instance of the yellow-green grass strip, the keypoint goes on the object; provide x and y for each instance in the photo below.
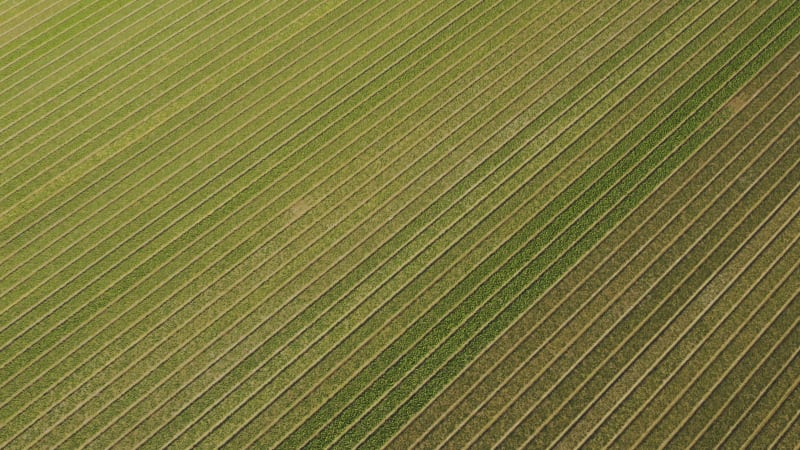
(121, 69)
(206, 77)
(132, 24)
(54, 34)
(126, 27)
(75, 70)
(89, 82)
(199, 52)
(166, 103)
(70, 80)
(61, 206)
(12, 15)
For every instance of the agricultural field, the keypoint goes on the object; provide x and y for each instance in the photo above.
(418, 224)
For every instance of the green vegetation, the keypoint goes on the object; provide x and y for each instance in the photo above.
(414, 224)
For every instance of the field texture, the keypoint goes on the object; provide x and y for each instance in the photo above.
(412, 224)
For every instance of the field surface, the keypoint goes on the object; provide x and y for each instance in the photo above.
(404, 224)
